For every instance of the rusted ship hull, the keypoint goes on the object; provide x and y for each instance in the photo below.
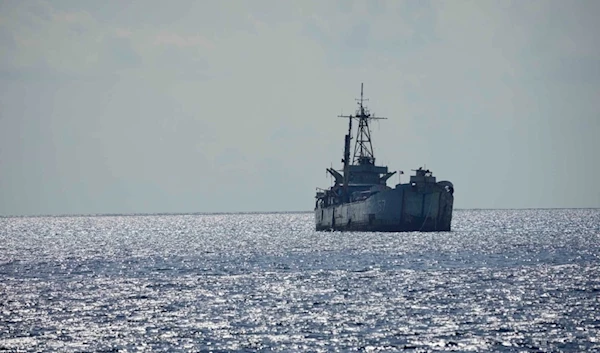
(360, 199)
(405, 208)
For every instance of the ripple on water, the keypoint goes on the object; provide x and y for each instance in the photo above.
(502, 280)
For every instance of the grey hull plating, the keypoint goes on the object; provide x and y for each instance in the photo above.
(405, 208)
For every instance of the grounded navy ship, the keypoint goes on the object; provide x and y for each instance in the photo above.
(360, 199)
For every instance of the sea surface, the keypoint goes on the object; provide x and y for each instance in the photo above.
(502, 280)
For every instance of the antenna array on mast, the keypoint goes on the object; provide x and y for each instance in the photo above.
(363, 148)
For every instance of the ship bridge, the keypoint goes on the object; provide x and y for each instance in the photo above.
(367, 174)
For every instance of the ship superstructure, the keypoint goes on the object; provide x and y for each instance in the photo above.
(361, 200)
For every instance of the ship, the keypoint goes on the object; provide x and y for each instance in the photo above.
(360, 200)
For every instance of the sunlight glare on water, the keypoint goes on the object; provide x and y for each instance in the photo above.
(502, 280)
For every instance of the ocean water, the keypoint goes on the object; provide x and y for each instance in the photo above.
(502, 280)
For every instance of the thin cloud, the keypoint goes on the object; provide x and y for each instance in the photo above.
(464, 84)
(182, 41)
(81, 17)
(122, 33)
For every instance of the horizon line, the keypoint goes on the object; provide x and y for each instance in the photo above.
(133, 214)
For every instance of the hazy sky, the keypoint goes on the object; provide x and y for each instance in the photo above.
(210, 106)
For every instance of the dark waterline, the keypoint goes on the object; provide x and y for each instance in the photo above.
(502, 280)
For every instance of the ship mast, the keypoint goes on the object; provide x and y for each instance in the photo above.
(363, 148)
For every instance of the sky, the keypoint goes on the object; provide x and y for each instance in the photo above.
(231, 106)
